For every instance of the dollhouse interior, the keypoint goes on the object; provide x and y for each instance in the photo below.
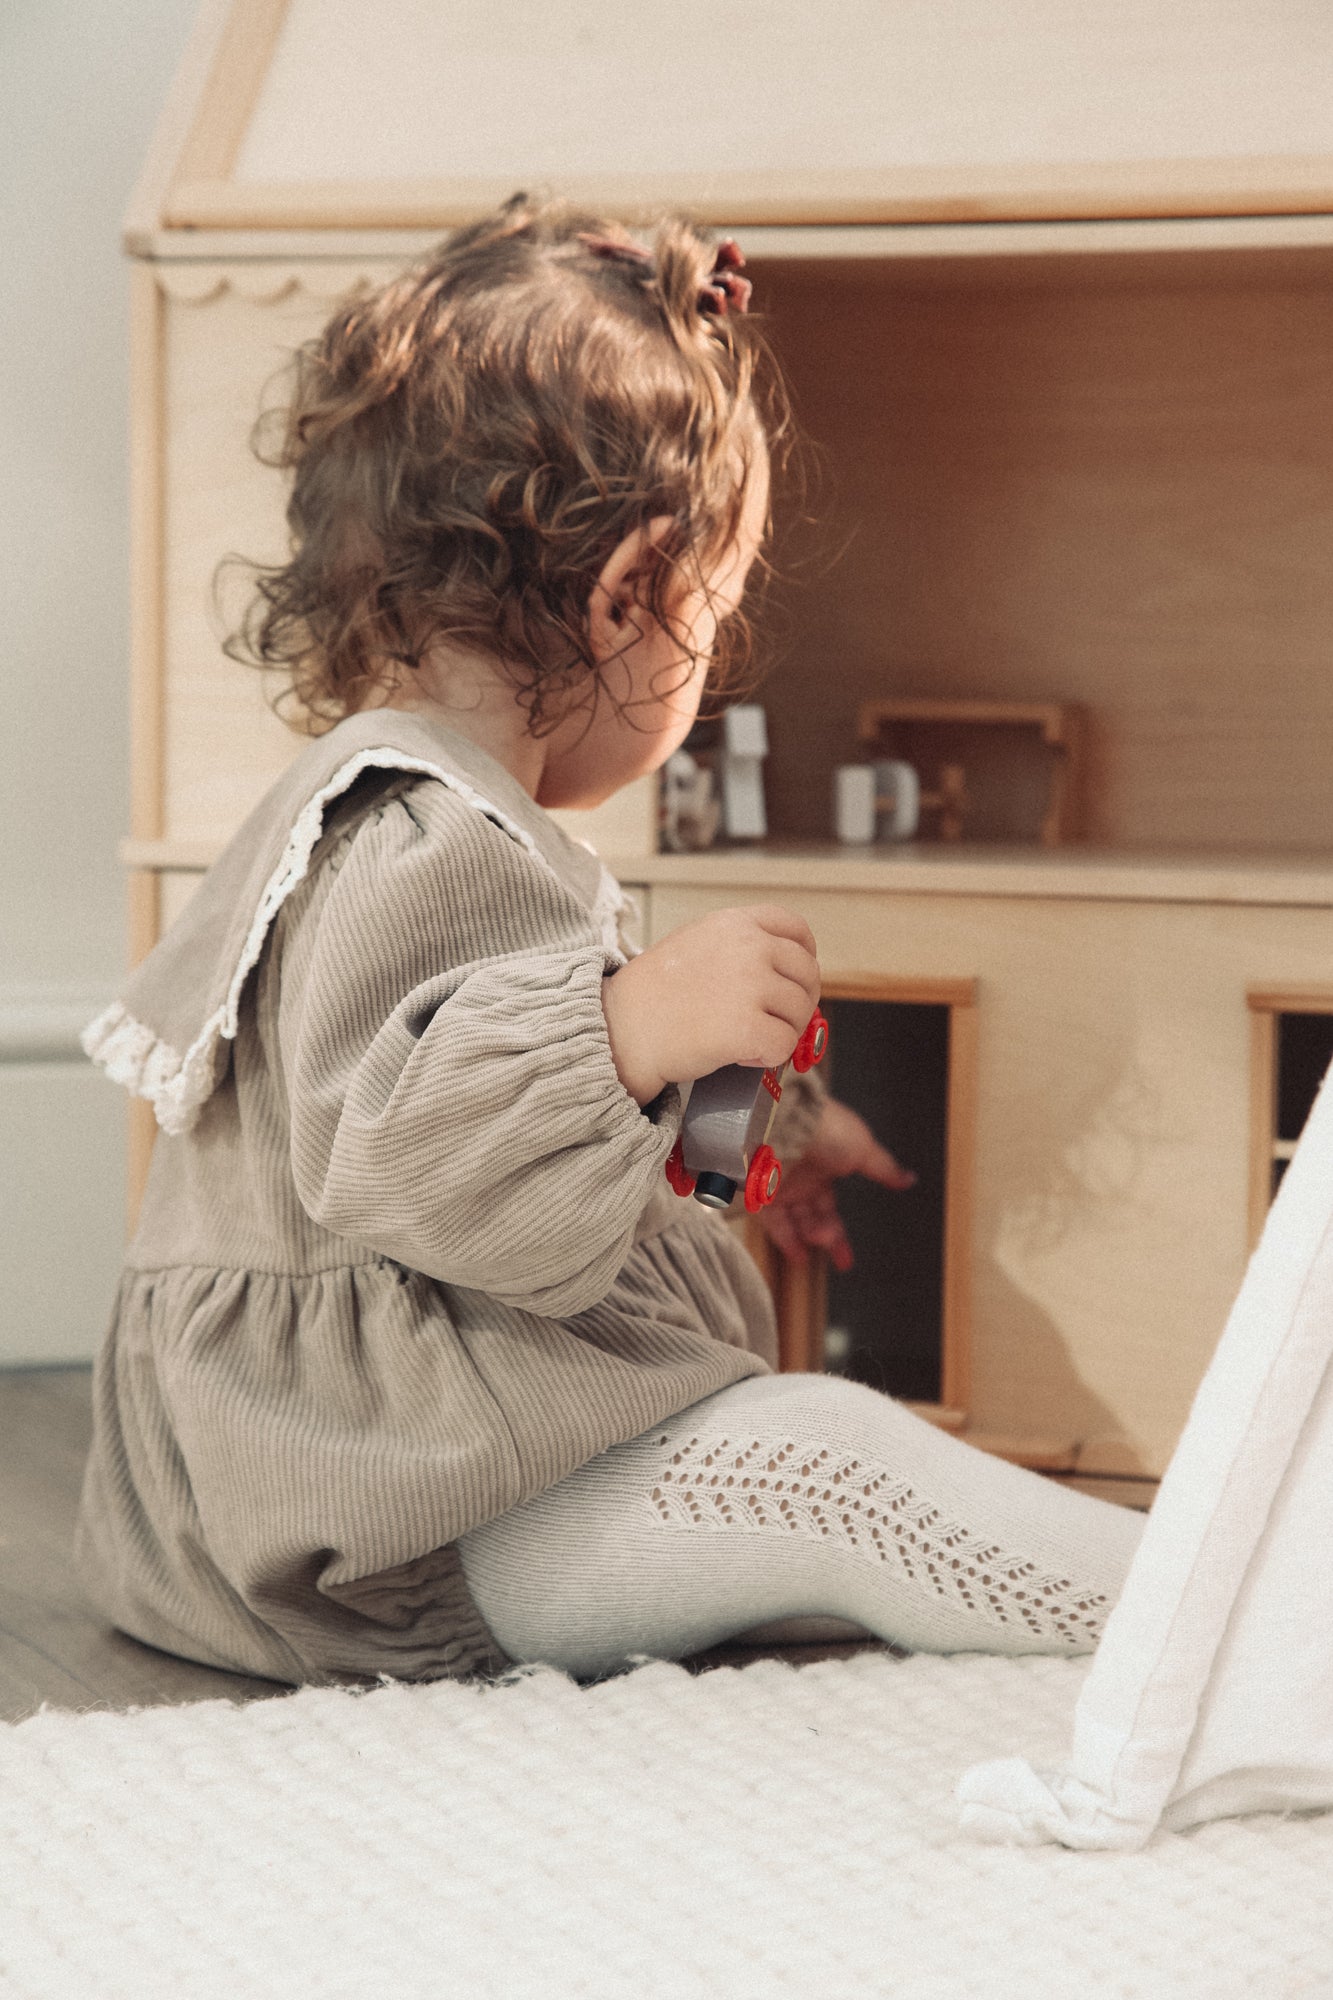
(1061, 387)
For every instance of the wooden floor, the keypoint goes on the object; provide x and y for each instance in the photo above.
(54, 1649)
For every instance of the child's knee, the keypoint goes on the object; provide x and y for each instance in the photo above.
(814, 1407)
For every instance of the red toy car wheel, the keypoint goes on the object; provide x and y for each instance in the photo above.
(810, 1049)
(763, 1179)
(682, 1182)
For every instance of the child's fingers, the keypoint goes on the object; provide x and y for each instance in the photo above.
(791, 961)
(772, 1031)
(769, 1043)
(789, 1003)
(778, 922)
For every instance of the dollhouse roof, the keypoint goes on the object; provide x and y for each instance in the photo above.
(317, 114)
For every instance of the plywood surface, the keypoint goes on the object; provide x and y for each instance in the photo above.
(1084, 874)
(410, 89)
(940, 248)
(1113, 496)
(1110, 1219)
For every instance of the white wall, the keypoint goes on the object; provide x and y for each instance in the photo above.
(80, 89)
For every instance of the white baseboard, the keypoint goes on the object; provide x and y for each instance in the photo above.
(62, 1180)
(43, 1023)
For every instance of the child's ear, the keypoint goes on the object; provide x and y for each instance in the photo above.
(620, 589)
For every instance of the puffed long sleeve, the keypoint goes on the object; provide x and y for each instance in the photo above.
(453, 1102)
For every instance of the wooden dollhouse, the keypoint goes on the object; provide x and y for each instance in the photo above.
(1053, 291)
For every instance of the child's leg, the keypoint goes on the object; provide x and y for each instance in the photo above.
(792, 1495)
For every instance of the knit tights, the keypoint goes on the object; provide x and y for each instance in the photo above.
(790, 1496)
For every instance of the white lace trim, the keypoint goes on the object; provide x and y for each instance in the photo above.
(178, 1085)
(763, 1487)
(132, 1055)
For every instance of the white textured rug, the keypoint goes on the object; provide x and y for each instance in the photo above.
(740, 1835)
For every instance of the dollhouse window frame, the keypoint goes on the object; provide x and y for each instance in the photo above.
(1267, 1006)
(799, 1290)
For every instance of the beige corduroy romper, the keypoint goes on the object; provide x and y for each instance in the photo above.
(407, 1254)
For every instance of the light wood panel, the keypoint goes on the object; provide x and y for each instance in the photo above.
(402, 114)
(989, 192)
(240, 63)
(1113, 496)
(148, 199)
(1263, 1113)
(960, 1202)
(223, 744)
(147, 557)
(1112, 250)
(1113, 1137)
(1080, 875)
(210, 344)
(798, 1292)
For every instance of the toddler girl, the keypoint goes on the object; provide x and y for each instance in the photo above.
(419, 1365)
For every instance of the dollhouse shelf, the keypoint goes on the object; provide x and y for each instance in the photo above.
(781, 868)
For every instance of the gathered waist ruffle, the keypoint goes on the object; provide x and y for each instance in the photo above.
(282, 1463)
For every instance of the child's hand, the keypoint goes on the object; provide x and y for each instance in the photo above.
(737, 986)
(804, 1216)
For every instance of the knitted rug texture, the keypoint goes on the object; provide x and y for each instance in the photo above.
(737, 1835)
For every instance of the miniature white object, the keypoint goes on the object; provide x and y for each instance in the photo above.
(691, 813)
(876, 802)
(740, 772)
(854, 804)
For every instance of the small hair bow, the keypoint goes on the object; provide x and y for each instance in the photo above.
(726, 290)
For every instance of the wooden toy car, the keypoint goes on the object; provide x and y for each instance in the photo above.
(723, 1143)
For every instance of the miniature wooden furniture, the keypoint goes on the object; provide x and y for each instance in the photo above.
(950, 800)
(1062, 337)
(930, 734)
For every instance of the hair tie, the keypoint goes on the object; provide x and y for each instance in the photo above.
(619, 250)
(726, 290)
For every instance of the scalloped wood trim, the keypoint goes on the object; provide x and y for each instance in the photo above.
(268, 282)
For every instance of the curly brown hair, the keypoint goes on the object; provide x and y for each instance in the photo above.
(471, 441)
